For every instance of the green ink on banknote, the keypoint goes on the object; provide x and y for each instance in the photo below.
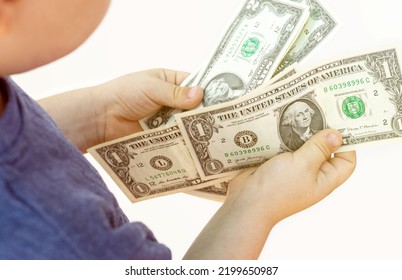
(250, 47)
(353, 107)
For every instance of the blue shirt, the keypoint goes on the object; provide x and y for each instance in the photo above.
(53, 203)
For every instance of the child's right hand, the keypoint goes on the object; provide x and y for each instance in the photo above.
(259, 198)
(291, 182)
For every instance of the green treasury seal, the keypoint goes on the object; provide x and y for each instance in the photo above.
(353, 107)
(250, 47)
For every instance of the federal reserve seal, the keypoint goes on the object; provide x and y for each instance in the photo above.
(161, 163)
(246, 139)
(353, 107)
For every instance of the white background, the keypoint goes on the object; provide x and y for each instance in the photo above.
(360, 220)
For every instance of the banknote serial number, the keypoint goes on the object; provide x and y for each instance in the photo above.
(347, 84)
(166, 174)
(248, 151)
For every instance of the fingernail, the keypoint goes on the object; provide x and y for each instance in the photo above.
(192, 93)
(334, 139)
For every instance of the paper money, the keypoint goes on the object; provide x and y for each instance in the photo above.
(218, 192)
(149, 164)
(360, 96)
(318, 26)
(251, 49)
(247, 55)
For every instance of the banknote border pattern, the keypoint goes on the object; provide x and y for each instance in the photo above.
(123, 172)
(393, 85)
(317, 11)
(279, 8)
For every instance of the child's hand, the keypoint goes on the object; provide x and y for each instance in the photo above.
(94, 115)
(261, 197)
(135, 96)
(291, 182)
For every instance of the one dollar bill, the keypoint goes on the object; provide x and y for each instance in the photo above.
(149, 164)
(218, 192)
(360, 96)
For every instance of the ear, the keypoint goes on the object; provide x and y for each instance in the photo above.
(6, 15)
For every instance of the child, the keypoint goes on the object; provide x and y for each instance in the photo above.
(53, 203)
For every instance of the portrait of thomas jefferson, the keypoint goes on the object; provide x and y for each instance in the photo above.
(222, 88)
(299, 121)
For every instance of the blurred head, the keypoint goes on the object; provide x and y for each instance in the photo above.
(36, 32)
(222, 88)
(217, 91)
(298, 115)
(218, 87)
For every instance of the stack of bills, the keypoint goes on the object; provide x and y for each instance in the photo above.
(259, 103)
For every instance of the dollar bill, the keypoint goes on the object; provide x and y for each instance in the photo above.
(247, 55)
(318, 26)
(155, 163)
(251, 49)
(360, 96)
(218, 192)
(149, 164)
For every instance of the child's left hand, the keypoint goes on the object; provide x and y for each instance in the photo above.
(112, 110)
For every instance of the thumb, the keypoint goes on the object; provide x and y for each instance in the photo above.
(319, 148)
(180, 97)
(188, 98)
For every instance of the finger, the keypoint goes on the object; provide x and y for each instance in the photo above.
(334, 172)
(344, 164)
(170, 95)
(318, 149)
(164, 90)
(171, 76)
